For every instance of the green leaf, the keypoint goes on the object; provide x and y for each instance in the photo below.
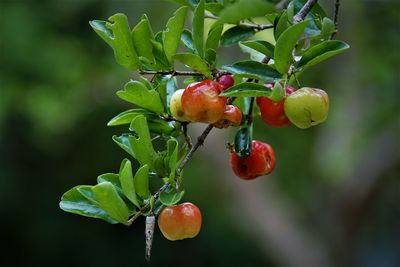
(255, 70)
(211, 57)
(195, 63)
(187, 40)
(285, 45)
(244, 9)
(141, 143)
(124, 51)
(322, 52)
(243, 139)
(278, 93)
(158, 51)
(198, 28)
(142, 35)
(127, 116)
(172, 146)
(137, 93)
(172, 35)
(109, 200)
(171, 198)
(282, 25)
(247, 89)
(112, 178)
(236, 34)
(141, 181)
(73, 201)
(214, 35)
(126, 179)
(260, 46)
(99, 26)
(214, 8)
(123, 142)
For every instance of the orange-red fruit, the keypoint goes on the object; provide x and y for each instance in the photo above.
(201, 101)
(232, 116)
(226, 81)
(261, 161)
(273, 113)
(180, 221)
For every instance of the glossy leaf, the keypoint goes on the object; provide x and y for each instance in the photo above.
(124, 142)
(214, 8)
(285, 44)
(141, 182)
(243, 139)
(172, 147)
(236, 34)
(195, 63)
(214, 36)
(119, 38)
(127, 116)
(198, 28)
(247, 89)
(109, 200)
(322, 52)
(73, 201)
(261, 46)
(158, 51)
(137, 93)
(112, 178)
(172, 35)
(141, 144)
(253, 69)
(187, 40)
(171, 198)
(126, 180)
(142, 35)
(282, 25)
(244, 9)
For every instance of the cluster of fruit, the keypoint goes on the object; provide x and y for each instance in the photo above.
(201, 102)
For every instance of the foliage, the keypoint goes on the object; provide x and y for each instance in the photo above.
(122, 197)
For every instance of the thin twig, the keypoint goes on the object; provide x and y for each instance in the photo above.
(200, 141)
(304, 11)
(187, 137)
(336, 17)
(172, 72)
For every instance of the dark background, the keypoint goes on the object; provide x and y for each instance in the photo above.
(333, 199)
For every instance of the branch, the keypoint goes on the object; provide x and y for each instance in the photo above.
(172, 72)
(200, 141)
(336, 16)
(304, 11)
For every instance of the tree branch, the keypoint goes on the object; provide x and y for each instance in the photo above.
(304, 11)
(335, 17)
(172, 72)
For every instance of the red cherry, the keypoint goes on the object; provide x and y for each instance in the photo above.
(180, 221)
(273, 113)
(226, 81)
(261, 161)
(232, 116)
(201, 101)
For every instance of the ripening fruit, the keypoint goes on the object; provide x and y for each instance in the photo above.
(307, 107)
(273, 113)
(175, 106)
(232, 116)
(180, 221)
(226, 81)
(261, 161)
(201, 102)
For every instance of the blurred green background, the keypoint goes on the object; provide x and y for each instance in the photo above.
(334, 199)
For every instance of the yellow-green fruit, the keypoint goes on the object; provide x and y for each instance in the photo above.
(307, 107)
(175, 106)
